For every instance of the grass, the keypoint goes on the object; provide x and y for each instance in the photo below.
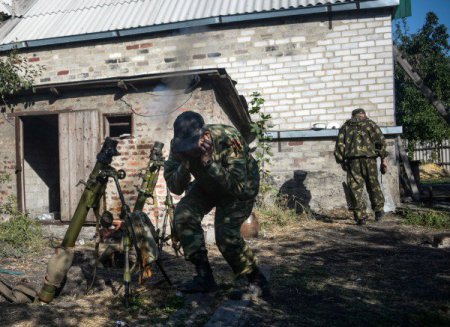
(158, 313)
(433, 181)
(432, 218)
(20, 234)
(277, 214)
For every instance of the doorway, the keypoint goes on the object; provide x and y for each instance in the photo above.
(41, 165)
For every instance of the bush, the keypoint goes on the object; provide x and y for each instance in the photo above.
(278, 214)
(20, 234)
(433, 219)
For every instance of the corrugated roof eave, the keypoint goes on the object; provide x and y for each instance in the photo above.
(72, 19)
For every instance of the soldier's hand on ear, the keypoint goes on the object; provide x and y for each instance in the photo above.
(206, 148)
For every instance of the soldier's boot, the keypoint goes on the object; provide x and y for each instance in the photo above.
(257, 287)
(379, 215)
(361, 221)
(204, 281)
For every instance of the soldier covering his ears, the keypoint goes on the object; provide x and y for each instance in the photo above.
(227, 178)
(359, 143)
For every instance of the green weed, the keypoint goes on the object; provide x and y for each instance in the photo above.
(433, 219)
(278, 214)
(434, 181)
(20, 234)
(158, 313)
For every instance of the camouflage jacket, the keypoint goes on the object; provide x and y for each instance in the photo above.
(359, 138)
(233, 171)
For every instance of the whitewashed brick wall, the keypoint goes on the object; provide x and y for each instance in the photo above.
(305, 71)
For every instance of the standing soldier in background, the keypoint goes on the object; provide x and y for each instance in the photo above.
(359, 143)
(226, 177)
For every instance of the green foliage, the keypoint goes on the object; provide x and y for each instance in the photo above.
(263, 152)
(20, 234)
(433, 219)
(427, 51)
(434, 181)
(16, 74)
(157, 313)
(3, 17)
(278, 214)
(4, 178)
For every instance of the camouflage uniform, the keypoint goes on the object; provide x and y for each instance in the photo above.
(359, 143)
(230, 183)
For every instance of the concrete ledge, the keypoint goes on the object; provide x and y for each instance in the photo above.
(388, 131)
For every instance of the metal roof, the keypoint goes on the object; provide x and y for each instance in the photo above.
(48, 19)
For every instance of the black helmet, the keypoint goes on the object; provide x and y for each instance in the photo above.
(187, 129)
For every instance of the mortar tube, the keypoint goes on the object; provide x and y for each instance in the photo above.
(89, 197)
(60, 263)
(151, 177)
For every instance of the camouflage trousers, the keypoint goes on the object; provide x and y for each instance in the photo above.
(230, 214)
(360, 172)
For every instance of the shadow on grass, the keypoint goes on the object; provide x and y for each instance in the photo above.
(151, 304)
(372, 276)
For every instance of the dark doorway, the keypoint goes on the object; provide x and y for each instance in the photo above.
(41, 164)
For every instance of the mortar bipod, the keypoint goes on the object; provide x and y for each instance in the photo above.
(139, 231)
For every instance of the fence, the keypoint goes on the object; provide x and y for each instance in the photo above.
(431, 152)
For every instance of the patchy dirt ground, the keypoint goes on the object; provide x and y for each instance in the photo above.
(323, 272)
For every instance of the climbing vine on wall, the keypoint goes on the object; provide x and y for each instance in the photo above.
(263, 152)
(16, 73)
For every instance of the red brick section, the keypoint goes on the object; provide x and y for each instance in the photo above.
(294, 143)
(34, 59)
(133, 47)
(63, 72)
(144, 146)
(146, 45)
(199, 56)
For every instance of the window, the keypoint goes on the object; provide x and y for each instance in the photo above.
(118, 125)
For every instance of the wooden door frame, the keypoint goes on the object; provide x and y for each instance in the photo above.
(20, 177)
(66, 190)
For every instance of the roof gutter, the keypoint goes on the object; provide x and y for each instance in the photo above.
(338, 7)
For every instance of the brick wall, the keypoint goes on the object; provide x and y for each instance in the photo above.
(7, 159)
(156, 112)
(307, 170)
(306, 71)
